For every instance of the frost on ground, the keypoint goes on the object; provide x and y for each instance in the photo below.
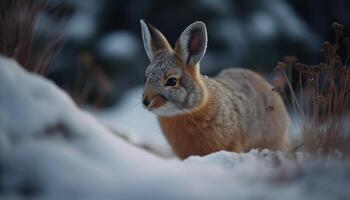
(50, 149)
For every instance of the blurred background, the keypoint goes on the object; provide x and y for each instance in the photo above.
(102, 56)
(93, 49)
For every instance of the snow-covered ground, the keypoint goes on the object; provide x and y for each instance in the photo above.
(139, 126)
(51, 149)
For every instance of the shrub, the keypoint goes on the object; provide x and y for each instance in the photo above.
(321, 98)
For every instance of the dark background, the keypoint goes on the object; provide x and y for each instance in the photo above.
(102, 54)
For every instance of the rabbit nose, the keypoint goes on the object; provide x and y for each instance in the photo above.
(146, 101)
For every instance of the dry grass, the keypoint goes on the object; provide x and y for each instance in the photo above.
(321, 98)
(17, 24)
(18, 40)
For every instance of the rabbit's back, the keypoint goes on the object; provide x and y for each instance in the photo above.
(263, 118)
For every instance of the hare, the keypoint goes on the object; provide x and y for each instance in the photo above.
(237, 110)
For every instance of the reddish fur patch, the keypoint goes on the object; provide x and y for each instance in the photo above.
(193, 134)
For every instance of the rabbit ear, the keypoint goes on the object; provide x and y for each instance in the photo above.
(153, 40)
(191, 45)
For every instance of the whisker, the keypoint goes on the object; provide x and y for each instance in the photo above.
(135, 106)
(139, 93)
(137, 96)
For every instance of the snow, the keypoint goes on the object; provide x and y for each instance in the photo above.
(291, 25)
(119, 44)
(263, 23)
(81, 27)
(51, 149)
(138, 124)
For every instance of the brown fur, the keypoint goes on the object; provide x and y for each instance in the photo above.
(221, 122)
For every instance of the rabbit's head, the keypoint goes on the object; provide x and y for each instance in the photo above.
(173, 82)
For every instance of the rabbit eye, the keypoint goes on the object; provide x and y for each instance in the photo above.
(171, 82)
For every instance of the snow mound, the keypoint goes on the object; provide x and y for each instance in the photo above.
(50, 149)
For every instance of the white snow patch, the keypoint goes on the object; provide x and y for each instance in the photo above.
(119, 44)
(291, 25)
(81, 27)
(262, 26)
